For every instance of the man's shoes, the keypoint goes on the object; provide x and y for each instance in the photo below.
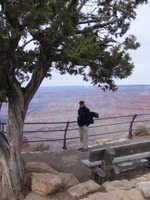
(82, 149)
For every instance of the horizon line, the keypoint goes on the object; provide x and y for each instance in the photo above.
(93, 85)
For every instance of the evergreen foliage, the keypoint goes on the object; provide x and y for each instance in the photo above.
(86, 37)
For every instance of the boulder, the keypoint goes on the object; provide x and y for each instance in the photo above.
(83, 189)
(141, 179)
(122, 185)
(133, 194)
(68, 180)
(57, 196)
(112, 195)
(144, 187)
(39, 167)
(45, 183)
(35, 196)
(147, 177)
(61, 196)
(117, 194)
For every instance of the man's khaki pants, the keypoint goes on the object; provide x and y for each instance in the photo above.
(84, 137)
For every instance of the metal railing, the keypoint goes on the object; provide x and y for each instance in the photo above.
(106, 126)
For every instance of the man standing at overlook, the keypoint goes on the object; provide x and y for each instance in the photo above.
(83, 122)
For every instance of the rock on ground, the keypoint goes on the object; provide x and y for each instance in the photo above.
(62, 196)
(112, 195)
(57, 196)
(133, 194)
(68, 180)
(144, 187)
(116, 195)
(46, 183)
(35, 196)
(122, 185)
(83, 189)
(39, 167)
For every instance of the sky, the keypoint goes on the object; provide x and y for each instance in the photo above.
(141, 57)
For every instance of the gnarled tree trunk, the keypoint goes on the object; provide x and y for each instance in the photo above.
(10, 153)
(12, 163)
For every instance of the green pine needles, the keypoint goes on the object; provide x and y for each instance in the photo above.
(74, 36)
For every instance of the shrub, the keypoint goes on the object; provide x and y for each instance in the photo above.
(141, 130)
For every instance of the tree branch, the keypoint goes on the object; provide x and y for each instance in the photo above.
(37, 77)
(27, 43)
(83, 2)
(96, 26)
(89, 21)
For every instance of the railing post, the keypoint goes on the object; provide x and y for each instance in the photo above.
(3, 127)
(130, 135)
(65, 135)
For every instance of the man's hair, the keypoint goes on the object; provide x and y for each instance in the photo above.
(81, 102)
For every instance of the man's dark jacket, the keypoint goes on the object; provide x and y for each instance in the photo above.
(83, 116)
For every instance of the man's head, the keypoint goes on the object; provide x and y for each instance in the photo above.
(81, 103)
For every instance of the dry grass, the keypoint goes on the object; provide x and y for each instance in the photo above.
(141, 130)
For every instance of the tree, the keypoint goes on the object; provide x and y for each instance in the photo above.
(86, 37)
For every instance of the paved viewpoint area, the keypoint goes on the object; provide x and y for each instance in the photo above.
(66, 161)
